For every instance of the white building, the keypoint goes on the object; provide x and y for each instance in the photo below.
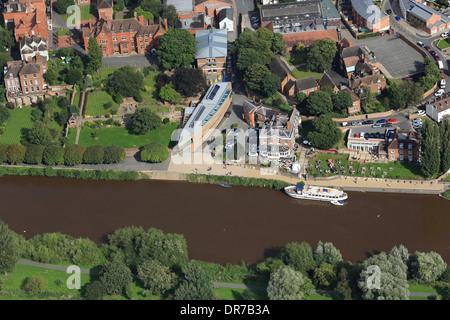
(439, 109)
(30, 46)
(225, 19)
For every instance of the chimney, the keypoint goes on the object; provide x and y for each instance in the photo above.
(135, 14)
(142, 20)
(165, 24)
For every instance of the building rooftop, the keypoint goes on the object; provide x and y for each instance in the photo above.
(365, 9)
(278, 67)
(211, 43)
(306, 83)
(182, 5)
(225, 13)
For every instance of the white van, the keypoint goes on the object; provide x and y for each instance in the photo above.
(440, 65)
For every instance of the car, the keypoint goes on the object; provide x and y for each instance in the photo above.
(366, 136)
(445, 34)
(377, 135)
(417, 121)
(391, 120)
(381, 121)
(398, 18)
(357, 135)
(433, 52)
(428, 48)
(227, 114)
(387, 125)
(389, 11)
(356, 123)
(368, 122)
(306, 142)
(376, 125)
(371, 135)
(421, 112)
(420, 44)
(443, 83)
(439, 93)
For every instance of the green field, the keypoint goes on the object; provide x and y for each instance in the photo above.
(122, 137)
(150, 93)
(302, 72)
(87, 12)
(17, 124)
(443, 43)
(104, 73)
(157, 109)
(295, 59)
(96, 101)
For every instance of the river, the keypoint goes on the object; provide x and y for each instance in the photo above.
(226, 225)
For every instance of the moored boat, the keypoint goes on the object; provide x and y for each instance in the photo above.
(225, 185)
(335, 196)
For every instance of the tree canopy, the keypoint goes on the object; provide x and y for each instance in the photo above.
(9, 249)
(196, 284)
(94, 56)
(188, 81)
(287, 284)
(325, 133)
(177, 49)
(299, 256)
(321, 54)
(154, 152)
(127, 81)
(144, 120)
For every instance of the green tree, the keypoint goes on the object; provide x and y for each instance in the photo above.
(254, 75)
(342, 101)
(6, 39)
(169, 94)
(177, 49)
(327, 253)
(343, 286)
(116, 277)
(154, 152)
(3, 152)
(270, 84)
(430, 158)
(9, 249)
(319, 102)
(247, 57)
(325, 133)
(94, 154)
(51, 76)
(94, 291)
(299, 256)
(127, 82)
(325, 276)
(35, 285)
(73, 155)
(171, 15)
(196, 284)
(94, 56)
(278, 43)
(269, 265)
(427, 267)
(397, 96)
(156, 277)
(401, 253)
(73, 76)
(320, 55)
(4, 114)
(300, 100)
(300, 47)
(114, 154)
(144, 120)
(413, 92)
(392, 279)
(62, 5)
(287, 284)
(189, 82)
(53, 154)
(154, 6)
(39, 134)
(33, 154)
(444, 130)
(15, 153)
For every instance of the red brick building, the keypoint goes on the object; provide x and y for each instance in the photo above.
(124, 36)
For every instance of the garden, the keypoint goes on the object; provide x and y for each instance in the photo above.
(321, 166)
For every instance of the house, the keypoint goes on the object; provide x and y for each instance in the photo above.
(125, 36)
(334, 80)
(24, 80)
(350, 56)
(279, 68)
(356, 106)
(419, 15)
(105, 9)
(375, 82)
(18, 9)
(403, 145)
(356, 140)
(225, 19)
(277, 130)
(306, 85)
(28, 24)
(368, 16)
(302, 21)
(31, 46)
(211, 52)
(439, 109)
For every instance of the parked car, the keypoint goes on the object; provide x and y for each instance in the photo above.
(398, 18)
(368, 122)
(356, 123)
(227, 114)
(428, 48)
(432, 52)
(445, 34)
(366, 136)
(357, 135)
(387, 125)
(439, 93)
(376, 125)
(391, 120)
(381, 121)
(420, 44)
(306, 142)
(389, 11)
(421, 112)
(443, 83)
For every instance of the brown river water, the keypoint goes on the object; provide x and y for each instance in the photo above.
(226, 225)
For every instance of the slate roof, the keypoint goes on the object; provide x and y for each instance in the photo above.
(211, 43)
(279, 68)
(364, 9)
(225, 13)
(182, 5)
(104, 4)
(351, 52)
(306, 83)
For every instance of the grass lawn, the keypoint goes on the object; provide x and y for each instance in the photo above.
(157, 109)
(302, 72)
(19, 121)
(295, 59)
(96, 101)
(399, 170)
(150, 93)
(104, 73)
(224, 293)
(63, 32)
(271, 101)
(122, 137)
(87, 12)
(443, 44)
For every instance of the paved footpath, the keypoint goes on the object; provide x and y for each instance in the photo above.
(215, 284)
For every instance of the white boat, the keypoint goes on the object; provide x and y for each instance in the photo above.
(335, 196)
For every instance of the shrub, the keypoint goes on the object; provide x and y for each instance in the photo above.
(53, 155)
(33, 154)
(118, 98)
(94, 155)
(113, 154)
(35, 285)
(73, 155)
(94, 291)
(154, 152)
(3, 152)
(16, 153)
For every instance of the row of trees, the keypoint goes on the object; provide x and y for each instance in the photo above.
(324, 101)
(435, 148)
(54, 154)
